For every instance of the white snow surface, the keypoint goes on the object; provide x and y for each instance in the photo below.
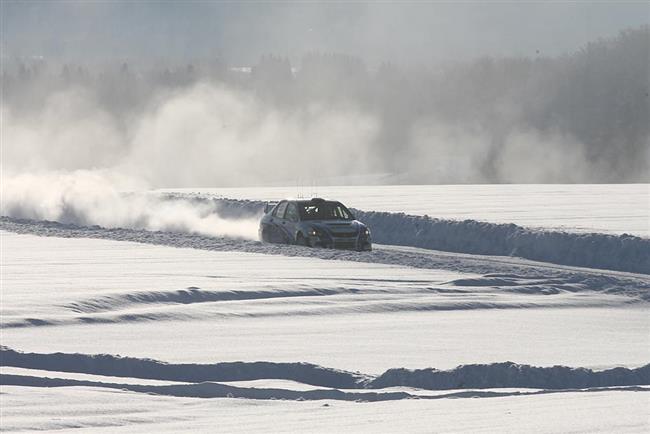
(143, 331)
(603, 208)
(108, 410)
(227, 306)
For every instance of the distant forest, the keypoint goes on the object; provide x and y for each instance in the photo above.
(431, 120)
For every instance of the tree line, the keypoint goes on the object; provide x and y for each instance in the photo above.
(596, 98)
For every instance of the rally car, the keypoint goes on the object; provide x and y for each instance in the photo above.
(314, 223)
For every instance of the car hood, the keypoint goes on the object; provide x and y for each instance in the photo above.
(336, 226)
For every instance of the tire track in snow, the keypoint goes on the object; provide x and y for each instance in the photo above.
(190, 295)
(361, 306)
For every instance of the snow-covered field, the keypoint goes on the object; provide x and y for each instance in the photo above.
(110, 410)
(215, 334)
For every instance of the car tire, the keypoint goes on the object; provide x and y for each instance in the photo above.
(265, 236)
(301, 240)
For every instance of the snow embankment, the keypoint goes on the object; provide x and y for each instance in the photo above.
(482, 376)
(602, 251)
(208, 390)
(116, 366)
(508, 374)
(612, 252)
(593, 250)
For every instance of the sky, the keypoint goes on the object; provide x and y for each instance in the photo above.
(239, 33)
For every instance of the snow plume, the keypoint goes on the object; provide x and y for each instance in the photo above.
(89, 198)
(72, 160)
(202, 135)
(211, 135)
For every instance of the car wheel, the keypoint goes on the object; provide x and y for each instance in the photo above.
(301, 240)
(265, 236)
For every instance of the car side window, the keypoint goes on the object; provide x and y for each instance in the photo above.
(279, 211)
(292, 212)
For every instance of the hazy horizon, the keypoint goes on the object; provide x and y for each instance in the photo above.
(240, 33)
(142, 96)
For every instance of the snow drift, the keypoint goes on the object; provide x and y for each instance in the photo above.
(612, 252)
(230, 218)
(209, 390)
(594, 250)
(480, 376)
(116, 366)
(508, 374)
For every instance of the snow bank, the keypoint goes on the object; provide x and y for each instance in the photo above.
(116, 366)
(485, 376)
(622, 252)
(594, 250)
(508, 374)
(209, 390)
(604, 251)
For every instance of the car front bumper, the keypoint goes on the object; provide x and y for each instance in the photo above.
(357, 243)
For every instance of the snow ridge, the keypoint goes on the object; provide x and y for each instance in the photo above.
(602, 251)
(480, 376)
(509, 374)
(593, 250)
(210, 390)
(116, 366)
(612, 252)
(190, 295)
(219, 390)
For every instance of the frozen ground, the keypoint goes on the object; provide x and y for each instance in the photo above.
(613, 208)
(127, 329)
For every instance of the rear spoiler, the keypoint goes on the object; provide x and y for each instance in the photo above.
(268, 206)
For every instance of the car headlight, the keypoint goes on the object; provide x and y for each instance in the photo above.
(366, 232)
(312, 232)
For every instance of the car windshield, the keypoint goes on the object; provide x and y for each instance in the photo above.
(324, 211)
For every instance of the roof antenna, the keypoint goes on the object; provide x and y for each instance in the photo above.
(315, 188)
(299, 188)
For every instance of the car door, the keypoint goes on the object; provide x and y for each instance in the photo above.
(291, 220)
(278, 224)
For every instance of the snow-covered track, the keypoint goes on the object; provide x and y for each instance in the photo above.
(504, 269)
(592, 250)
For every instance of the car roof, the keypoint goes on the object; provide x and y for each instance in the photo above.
(315, 200)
